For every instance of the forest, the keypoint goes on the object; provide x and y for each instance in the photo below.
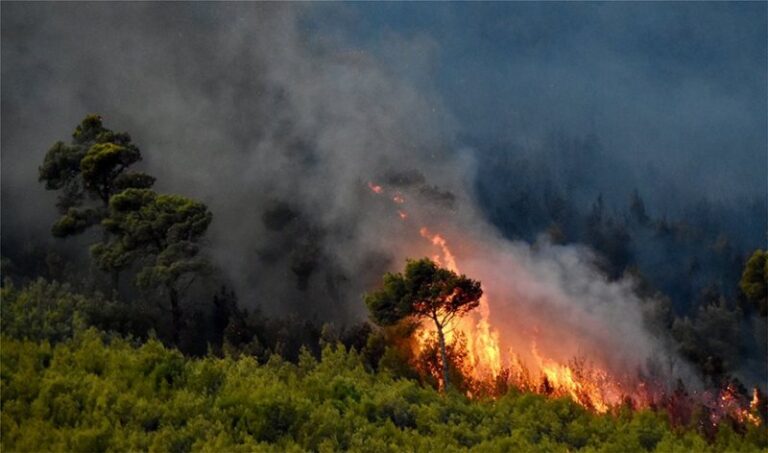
(117, 355)
(383, 226)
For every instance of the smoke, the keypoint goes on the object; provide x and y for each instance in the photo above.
(674, 92)
(278, 126)
(555, 298)
(542, 297)
(235, 105)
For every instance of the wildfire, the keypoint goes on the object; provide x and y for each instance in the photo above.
(483, 355)
(594, 387)
(594, 390)
(729, 403)
(483, 363)
(751, 415)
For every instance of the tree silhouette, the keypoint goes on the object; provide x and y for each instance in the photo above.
(425, 291)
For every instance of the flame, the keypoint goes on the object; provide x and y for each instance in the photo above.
(592, 387)
(729, 403)
(751, 415)
(436, 239)
(483, 356)
(587, 383)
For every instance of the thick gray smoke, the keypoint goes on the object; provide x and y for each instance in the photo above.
(232, 104)
(279, 131)
(551, 298)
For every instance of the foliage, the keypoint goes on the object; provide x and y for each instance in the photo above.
(754, 281)
(52, 312)
(425, 290)
(96, 394)
(42, 311)
(166, 227)
(68, 388)
(711, 338)
(162, 232)
(92, 166)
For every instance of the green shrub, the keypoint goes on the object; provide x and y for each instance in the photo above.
(100, 393)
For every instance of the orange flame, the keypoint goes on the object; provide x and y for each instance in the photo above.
(751, 415)
(586, 383)
(590, 386)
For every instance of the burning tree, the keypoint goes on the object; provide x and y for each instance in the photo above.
(425, 291)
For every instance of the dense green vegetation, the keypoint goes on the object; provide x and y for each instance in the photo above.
(172, 362)
(70, 387)
(97, 393)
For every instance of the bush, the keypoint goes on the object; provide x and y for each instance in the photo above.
(51, 311)
(98, 393)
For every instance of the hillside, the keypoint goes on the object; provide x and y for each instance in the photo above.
(100, 393)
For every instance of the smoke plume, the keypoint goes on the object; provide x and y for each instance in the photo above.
(279, 128)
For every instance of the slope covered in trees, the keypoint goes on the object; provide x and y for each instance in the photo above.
(171, 361)
(98, 392)
(71, 387)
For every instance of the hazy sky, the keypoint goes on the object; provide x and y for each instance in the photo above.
(679, 86)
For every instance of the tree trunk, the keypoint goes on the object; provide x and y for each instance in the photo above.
(116, 281)
(175, 314)
(443, 356)
(114, 273)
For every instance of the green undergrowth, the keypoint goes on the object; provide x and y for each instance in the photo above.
(97, 392)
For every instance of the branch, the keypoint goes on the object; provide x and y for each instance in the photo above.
(448, 317)
(437, 322)
(192, 280)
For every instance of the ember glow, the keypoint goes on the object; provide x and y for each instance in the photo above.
(492, 354)
(484, 358)
(487, 359)
(590, 386)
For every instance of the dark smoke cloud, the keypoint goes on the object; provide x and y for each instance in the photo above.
(277, 120)
(235, 105)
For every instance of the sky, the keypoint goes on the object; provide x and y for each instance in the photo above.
(678, 88)
(675, 87)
